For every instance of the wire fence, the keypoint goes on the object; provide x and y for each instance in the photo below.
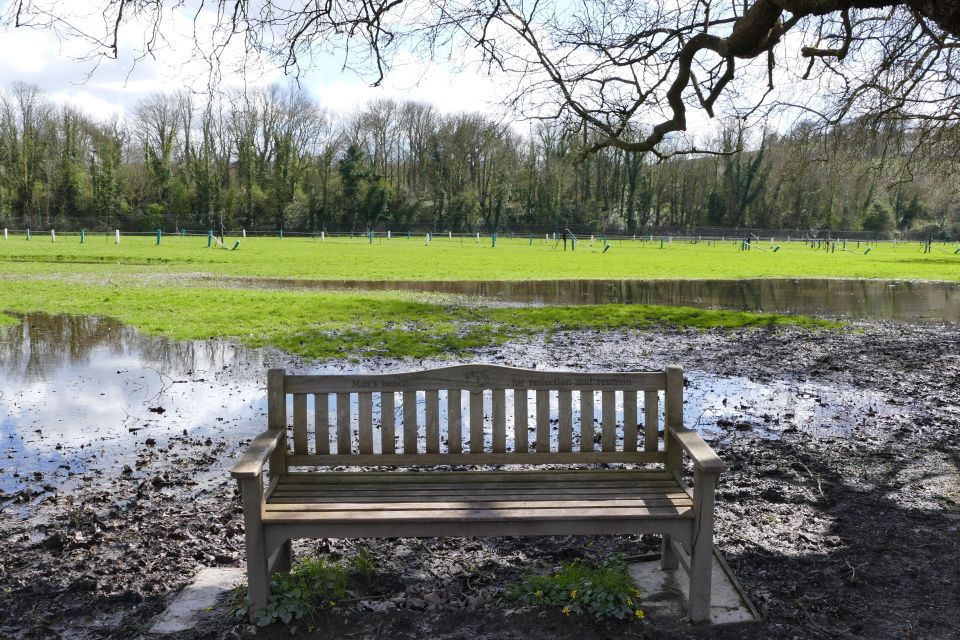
(763, 240)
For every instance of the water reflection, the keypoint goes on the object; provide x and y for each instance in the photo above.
(903, 301)
(41, 346)
(82, 397)
(81, 393)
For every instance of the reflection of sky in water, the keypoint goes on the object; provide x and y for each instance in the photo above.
(76, 393)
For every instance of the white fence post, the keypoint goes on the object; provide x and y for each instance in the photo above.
(118, 237)
(53, 235)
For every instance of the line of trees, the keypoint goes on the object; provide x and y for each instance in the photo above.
(272, 158)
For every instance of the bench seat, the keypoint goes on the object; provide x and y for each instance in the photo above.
(476, 496)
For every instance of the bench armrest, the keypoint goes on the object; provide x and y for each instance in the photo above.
(251, 464)
(700, 452)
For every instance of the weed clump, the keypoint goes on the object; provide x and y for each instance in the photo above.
(315, 584)
(603, 590)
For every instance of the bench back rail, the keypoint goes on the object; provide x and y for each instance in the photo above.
(397, 419)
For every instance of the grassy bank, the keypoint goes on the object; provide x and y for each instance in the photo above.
(327, 325)
(456, 259)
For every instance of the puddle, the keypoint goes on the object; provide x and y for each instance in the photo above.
(81, 395)
(81, 398)
(902, 301)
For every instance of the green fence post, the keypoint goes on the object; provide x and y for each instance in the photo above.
(209, 238)
(158, 237)
(81, 236)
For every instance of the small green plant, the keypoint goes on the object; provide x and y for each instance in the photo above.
(363, 569)
(312, 585)
(604, 590)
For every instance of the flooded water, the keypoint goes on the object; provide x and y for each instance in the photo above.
(83, 397)
(80, 395)
(903, 301)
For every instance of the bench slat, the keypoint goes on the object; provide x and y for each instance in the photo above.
(651, 420)
(477, 377)
(454, 496)
(388, 423)
(499, 421)
(365, 420)
(414, 459)
(608, 424)
(432, 426)
(629, 420)
(300, 423)
(455, 420)
(480, 515)
(489, 502)
(321, 421)
(344, 444)
(586, 420)
(476, 422)
(537, 477)
(497, 489)
(565, 426)
(543, 421)
(521, 418)
(409, 422)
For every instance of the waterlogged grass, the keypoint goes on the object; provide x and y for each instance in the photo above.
(464, 259)
(332, 324)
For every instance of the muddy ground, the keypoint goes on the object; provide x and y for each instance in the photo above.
(831, 536)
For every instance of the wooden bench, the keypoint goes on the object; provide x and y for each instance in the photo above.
(642, 492)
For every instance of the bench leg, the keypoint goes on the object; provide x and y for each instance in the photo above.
(668, 557)
(258, 575)
(701, 549)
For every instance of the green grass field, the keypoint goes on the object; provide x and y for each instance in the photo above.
(184, 290)
(443, 259)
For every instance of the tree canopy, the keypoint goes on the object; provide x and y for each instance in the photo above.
(632, 71)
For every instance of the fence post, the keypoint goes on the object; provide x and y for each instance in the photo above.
(28, 233)
(117, 237)
(209, 238)
(159, 233)
(81, 235)
(53, 235)
(244, 233)
(494, 240)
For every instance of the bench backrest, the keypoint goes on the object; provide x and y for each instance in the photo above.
(407, 436)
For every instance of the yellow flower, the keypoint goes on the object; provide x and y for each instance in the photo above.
(332, 603)
(636, 592)
(639, 614)
(629, 601)
(538, 594)
(573, 594)
(565, 611)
